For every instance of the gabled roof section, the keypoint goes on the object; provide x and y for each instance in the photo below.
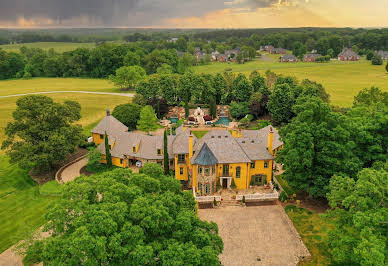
(110, 125)
(181, 142)
(205, 157)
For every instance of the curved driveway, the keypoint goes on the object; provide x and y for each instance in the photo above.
(87, 92)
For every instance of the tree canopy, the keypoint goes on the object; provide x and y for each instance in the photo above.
(360, 213)
(121, 217)
(127, 77)
(42, 133)
(148, 120)
(128, 114)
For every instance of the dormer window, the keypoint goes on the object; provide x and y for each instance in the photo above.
(212, 137)
(219, 137)
(134, 149)
(243, 141)
(159, 152)
(101, 136)
(252, 141)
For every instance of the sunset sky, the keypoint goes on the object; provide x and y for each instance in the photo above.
(194, 13)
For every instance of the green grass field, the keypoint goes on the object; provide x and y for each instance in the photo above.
(93, 108)
(18, 86)
(22, 207)
(313, 229)
(59, 47)
(343, 80)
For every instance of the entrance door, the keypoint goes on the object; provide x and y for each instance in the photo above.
(224, 183)
(225, 170)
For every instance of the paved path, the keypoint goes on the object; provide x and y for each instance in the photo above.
(251, 234)
(88, 92)
(73, 170)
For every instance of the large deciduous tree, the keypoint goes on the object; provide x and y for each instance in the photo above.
(128, 114)
(42, 133)
(123, 218)
(280, 103)
(166, 161)
(359, 234)
(317, 145)
(127, 77)
(148, 120)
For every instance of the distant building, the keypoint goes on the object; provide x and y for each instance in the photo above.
(200, 55)
(288, 58)
(348, 54)
(222, 58)
(173, 40)
(266, 48)
(232, 54)
(383, 54)
(311, 57)
(278, 51)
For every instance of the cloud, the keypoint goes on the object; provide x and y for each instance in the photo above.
(102, 12)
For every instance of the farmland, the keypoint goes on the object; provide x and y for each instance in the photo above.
(59, 47)
(342, 80)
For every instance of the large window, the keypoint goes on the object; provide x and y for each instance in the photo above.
(159, 151)
(101, 136)
(121, 161)
(238, 172)
(181, 158)
(207, 188)
(181, 170)
(253, 165)
(265, 164)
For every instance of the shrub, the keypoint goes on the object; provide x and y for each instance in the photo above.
(233, 185)
(27, 75)
(214, 201)
(51, 188)
(244, 122)
(243, 199)
(239, 110)
(263, 123)
(283, 196)
(94, 161)
(377, 60)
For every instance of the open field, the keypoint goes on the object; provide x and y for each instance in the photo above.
(22, 207)
(253, 233)
(93, 108)
(18, 86)
(342, 80)
(59, 47)
(313, 229)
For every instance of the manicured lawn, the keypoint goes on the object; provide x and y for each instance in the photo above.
(313, 229)
(51, 188)
(199, 134)
(59, 47)
(93, 108)
(343, 80)
(19, 86)
(22, 207)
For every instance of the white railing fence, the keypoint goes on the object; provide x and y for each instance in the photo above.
(259, 196)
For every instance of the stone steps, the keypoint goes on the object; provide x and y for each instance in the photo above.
(230, 203)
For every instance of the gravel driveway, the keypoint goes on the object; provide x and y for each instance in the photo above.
(73, 170)
(253, 233)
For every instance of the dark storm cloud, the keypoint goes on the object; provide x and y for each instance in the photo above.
(115, 12)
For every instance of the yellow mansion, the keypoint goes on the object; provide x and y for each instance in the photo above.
(220, 158)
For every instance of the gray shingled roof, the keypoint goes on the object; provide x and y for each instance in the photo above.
(347, 52)
(181, 142)
(205, 157)
(289, 57)
(313, 55)
(224, 147)
(262, 135)
(110, 125)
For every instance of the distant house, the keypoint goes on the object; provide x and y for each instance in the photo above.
(278, 51)
(179, 53)
(348, 54)
(200, 55)
(232, 54)
(266, 48)
(173, 40)
(311, 57)
(383, 54)
(222, 58)
(288, 58)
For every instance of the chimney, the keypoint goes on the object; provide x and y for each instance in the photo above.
(108, 112)
(234, 133)
(240, 133)
(190, 147)
(270, 140)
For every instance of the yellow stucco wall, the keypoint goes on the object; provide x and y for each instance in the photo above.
(97, 139)
(185, 175)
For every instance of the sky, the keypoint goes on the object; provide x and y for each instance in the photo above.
(194, 13)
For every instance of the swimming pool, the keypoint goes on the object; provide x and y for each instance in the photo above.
(223, 120)
(173, 120)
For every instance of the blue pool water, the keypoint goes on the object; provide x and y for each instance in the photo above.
(223, 120)
(173, 120)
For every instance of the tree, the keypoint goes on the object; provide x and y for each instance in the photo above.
(331, 53)
(313, 88)
(42, 133)
(317, 145)
(219, 85)
(299, 49)
(242, 88)
(165, 69)
(148, 120)
(280, 104)
(94, 161)
(213, 108)
(166, 160)
(386, 67)
(238, 110)
(121, 217)
(128, 77)
(131, 59)
(108, 156)
(377, 60)
(359, 206)
(369, 55)
(128, 114)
